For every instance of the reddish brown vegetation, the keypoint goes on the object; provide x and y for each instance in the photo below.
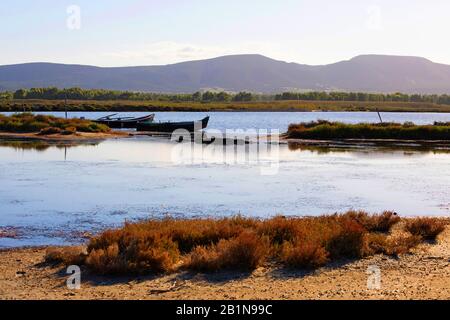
(427, 228)
(307, 255)
(245, 252)
(241, 243)
(67, 255)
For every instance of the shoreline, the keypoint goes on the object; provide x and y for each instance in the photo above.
(423, 274)
(283, 139)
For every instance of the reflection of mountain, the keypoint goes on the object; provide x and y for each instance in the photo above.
(377, 73)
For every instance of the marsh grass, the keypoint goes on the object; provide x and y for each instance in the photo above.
(326, 130)
(30, 123)
(238, 243)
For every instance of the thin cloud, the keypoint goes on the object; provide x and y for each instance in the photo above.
(167, 52)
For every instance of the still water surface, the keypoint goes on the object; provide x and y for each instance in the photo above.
(55, 192)
(49, 194)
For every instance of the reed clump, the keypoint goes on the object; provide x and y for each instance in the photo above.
(238, 243)
(327, 130)
(30, 123)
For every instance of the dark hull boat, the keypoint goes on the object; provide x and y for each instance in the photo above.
(123, 122)
(169, 127)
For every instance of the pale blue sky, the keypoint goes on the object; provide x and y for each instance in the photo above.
(147, 32)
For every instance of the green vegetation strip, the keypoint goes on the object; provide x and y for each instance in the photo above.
(206, 106)
(53, 93)
(30, 123)
(325, 130)
(238, 243)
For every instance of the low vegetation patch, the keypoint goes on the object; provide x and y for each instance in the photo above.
(77, 104)
(237, 243)
(326, 130)
(247, 251)
(427, 228)
(47, 125)
(67, 255)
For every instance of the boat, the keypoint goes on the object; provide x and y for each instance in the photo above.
(123, 122)
(169, 127)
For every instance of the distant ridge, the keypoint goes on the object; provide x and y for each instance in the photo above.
(251, 72)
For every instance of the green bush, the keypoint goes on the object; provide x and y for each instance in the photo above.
(335, 130)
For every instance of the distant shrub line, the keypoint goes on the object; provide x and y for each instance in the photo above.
(53, 93)
(327, 130)
(30, 123)
(238, 243)
(32, 105)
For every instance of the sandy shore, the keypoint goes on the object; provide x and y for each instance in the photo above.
(425, 274)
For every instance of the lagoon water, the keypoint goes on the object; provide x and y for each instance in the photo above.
(271, 120)
(48, 194)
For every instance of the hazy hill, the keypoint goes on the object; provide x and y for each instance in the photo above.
(241, 72)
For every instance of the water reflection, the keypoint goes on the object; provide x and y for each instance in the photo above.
(41, 146)
(369, 150)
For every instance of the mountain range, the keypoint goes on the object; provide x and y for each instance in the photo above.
(250, 72)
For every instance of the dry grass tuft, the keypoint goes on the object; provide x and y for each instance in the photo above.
(348, 240)
(121, 251)
(303, 255)
(401, 245)
(67, 255)
(245, 252)
(427, 228)
(375, 223)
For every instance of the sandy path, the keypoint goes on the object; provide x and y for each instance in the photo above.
(422, 275)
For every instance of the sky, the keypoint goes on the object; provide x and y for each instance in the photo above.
(152, 32)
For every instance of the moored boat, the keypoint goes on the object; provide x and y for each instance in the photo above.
(123, 122)
(169, 127)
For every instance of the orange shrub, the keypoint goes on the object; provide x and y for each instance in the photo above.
(245, 252)
(348, 240)
(375, 243)
(280, 229)
(303, 255)
(66, 255)
(123, 251)
(377, 222)
(245, 243)
(427, 228)
(401, 245)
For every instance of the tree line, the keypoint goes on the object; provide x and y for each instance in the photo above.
(363, 96)
(54, 93)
